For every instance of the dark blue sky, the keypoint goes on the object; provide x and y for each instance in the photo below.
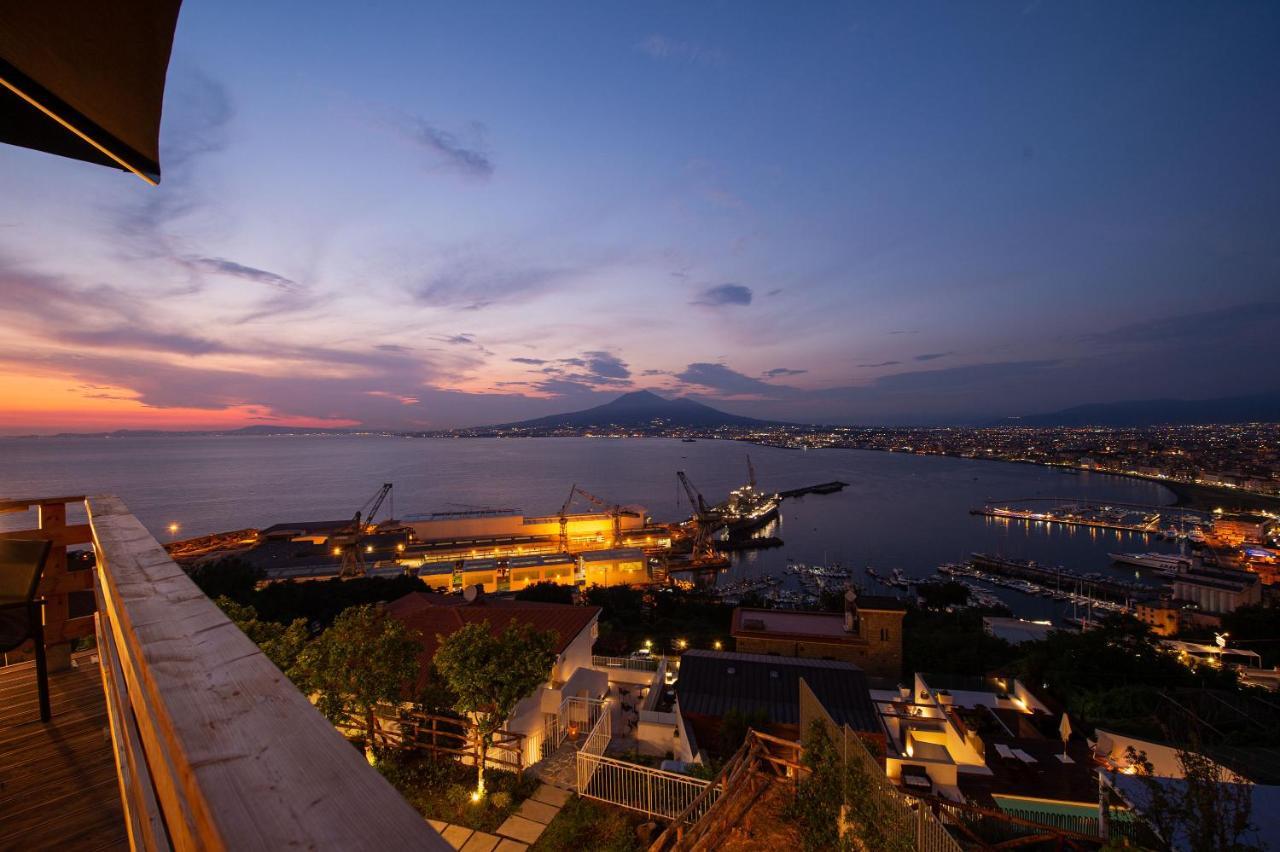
(417, 214)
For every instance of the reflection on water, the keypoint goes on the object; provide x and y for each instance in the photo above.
(899, 511)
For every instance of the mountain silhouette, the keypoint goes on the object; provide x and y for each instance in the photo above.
(642, 408)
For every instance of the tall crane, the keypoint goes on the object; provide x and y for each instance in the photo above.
(705, 519)
(564, 519)
(615, 511)
(351, 538)
(751, 473)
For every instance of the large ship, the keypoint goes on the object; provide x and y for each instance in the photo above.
(1166, 564)
(749, 508)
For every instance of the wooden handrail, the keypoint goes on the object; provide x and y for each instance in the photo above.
(216, 748)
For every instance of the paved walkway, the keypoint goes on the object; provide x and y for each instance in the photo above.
(520, 829)
(560, 768)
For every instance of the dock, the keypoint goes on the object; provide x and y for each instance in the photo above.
(821, 488)
(1113, 590)
(1149, 528)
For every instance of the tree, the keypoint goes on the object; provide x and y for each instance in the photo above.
(734, 726)
(366, 658)
(837, 804)
(489, 675)
(546, 591)
(230, 577)
(1208, 810)
(282, 644)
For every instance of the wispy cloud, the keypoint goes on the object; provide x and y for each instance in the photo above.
(933, 356)
(476, 284)
(535, 362)
(663, 47)
(778, 372)
(448, 149)
(724, 294)
(881, 364)
(222, 266)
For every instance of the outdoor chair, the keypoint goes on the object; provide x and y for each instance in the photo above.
(21, 615)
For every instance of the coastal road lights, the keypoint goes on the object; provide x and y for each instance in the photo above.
(173, 527)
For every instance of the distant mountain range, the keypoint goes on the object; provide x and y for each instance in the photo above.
(1260, 408)
(640, 408)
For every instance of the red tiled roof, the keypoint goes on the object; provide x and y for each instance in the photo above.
(435, 615)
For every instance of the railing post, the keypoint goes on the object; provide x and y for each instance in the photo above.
(56, 610)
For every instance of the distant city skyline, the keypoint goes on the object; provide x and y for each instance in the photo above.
(425, 218)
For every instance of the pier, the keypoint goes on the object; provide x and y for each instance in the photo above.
(1109, 517)
(1060, 578)
(821, 488)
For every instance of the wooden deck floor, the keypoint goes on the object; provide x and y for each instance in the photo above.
(58, 787)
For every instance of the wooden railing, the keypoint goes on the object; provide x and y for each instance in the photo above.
(215, 748)
(414, 731)
(726, 799)
(57, 584)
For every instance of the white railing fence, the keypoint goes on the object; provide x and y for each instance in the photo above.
(652, 792)
(575, 716)
(635, 664)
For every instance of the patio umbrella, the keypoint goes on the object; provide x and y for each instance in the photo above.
(1064, 731)
(85, 79)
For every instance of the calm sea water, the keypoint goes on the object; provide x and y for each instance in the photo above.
(899, 511)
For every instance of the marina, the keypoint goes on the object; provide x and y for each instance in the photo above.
(206, 485)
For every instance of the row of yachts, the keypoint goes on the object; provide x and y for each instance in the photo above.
(814, 578)
(957, 570)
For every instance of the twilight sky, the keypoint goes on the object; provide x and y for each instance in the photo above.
(438, 214)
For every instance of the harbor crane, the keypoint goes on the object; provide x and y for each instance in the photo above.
(351, 538)
(751, 473)
(614, 510)
(564, 518)
(705, 520)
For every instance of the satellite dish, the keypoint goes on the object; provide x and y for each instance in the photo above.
(472, 593)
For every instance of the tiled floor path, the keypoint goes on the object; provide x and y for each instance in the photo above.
(521, 828)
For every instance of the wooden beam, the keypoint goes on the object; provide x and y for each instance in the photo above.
(60, 536)
(238, 757)
(17, 505)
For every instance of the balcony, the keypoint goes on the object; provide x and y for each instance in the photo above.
(210, 746)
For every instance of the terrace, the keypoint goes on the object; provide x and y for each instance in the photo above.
(209, 745)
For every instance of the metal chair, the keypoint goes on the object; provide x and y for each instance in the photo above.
(21, 614)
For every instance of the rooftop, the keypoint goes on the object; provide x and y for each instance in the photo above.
(614, 553)
(712, 683)
(825, 626)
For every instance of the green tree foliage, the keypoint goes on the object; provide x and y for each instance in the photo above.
(282, 644)
(734, 726)
(630, 616)
(365, 658)
(1256, 628)
(321, 601)
(546, 592)
(951, 642)
(230, 578)
(489, 675)
(837, 805)
(1208, 810)
(1113, 673)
